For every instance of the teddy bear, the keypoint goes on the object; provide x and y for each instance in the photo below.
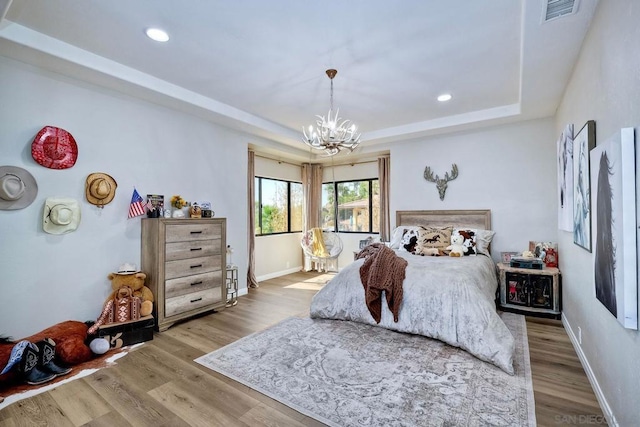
(457, 247)
(127, 276)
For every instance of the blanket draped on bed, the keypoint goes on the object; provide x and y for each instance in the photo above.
(384, 271)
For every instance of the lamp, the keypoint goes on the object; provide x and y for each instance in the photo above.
(330, 134)
(229, 259)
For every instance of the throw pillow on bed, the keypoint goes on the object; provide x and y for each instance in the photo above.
(399, 232)
(481, 239)
(435, 237)
(469, 240)
(410, 241)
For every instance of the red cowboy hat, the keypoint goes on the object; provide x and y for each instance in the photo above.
(54, 148)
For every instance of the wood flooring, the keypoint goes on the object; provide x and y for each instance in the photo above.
(158, 384)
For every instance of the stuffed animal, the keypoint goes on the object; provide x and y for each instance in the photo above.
(126, 277)
(70, 347)
(457, 247)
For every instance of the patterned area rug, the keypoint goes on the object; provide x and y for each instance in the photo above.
(351, 374)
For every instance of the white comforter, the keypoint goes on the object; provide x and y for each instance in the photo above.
(446, 298)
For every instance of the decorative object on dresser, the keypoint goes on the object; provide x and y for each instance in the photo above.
(441, 183)
(185, 264)
(531, 292)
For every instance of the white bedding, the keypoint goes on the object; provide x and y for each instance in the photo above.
(446, 298)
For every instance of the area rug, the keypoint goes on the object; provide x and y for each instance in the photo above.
(350, 374)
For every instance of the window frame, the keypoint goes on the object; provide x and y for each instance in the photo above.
(258, 218)
(335, 193)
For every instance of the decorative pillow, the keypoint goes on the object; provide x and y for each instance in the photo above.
(469, 240)
(435, 237)
(410, 241)
(482, 239)
(398, 233)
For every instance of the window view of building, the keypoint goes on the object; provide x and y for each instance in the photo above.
(358, 206)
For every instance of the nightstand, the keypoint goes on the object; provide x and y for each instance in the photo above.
(531, 292)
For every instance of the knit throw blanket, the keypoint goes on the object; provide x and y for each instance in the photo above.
(384, 271)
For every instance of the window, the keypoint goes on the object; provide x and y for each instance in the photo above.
(358, 206)
(278, 206)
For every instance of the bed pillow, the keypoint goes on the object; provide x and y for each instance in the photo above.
(435, 237)
(469, 240)
(411, 241)
(481, 239)
(398, 233)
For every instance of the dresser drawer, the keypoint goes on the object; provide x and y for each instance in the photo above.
(192, 301)
(195, 283)
(191, 249)
(193, 231)
(191, 266)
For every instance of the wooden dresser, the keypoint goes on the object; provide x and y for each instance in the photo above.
(184, 260)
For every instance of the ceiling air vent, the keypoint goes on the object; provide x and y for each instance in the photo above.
(558, 8)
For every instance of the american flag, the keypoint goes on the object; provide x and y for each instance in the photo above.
(136, 208)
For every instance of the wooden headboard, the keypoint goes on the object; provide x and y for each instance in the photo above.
(479, 219)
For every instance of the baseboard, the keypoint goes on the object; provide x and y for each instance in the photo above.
(243, 291)
(604, 405)
(279, 273)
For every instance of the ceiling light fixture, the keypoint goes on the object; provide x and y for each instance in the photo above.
(330, 134)
(444, 97)
(157, 34)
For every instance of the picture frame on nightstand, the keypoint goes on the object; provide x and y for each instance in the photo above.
(506, 256)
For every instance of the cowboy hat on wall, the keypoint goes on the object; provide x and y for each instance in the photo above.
(61, 215)
(54, 148)
(100, 189)
(18, 188)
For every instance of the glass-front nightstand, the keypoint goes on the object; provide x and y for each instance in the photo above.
(232, 285)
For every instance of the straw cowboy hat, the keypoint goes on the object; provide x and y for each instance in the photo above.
(100, 189)
(54, 148)
(61, 215)
(18, 188)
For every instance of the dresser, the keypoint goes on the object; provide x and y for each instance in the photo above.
(185, 261)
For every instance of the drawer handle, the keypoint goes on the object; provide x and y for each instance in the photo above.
(196, 300)
(196, 266)
(196, 232)
(196, 283)
(195, 249)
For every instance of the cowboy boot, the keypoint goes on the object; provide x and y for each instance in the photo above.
(29, 367)
(46, 361)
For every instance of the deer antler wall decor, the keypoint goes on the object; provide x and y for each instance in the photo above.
(441, 183)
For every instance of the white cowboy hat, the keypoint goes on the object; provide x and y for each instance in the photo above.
(61, 215)
(127, 268)
(18, 188)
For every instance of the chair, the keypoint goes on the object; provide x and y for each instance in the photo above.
(321, 250)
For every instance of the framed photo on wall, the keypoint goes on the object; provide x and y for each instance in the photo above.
(613, 179)
(583, 143)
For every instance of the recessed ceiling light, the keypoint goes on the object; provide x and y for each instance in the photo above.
(444, 97)
(157, 34)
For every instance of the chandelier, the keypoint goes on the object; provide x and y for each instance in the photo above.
(332, 134)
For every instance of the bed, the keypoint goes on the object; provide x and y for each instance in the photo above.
(446, 298)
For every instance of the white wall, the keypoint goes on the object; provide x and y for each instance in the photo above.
(509, 169)
(605, 87)
(45, 279)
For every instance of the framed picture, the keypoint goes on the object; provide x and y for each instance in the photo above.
(506, 256)
(583, 143)
(613, 179)
(565, 179)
